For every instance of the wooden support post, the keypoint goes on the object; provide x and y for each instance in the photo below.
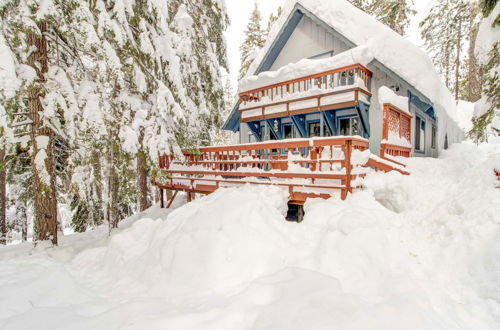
(161, 199)
(348, 166)
(172, 199)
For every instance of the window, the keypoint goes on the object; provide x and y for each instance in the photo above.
(350, 126)
(315, 129)
(433, 137)
(419, 134)
(288, 131)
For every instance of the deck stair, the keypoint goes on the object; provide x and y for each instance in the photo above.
(308, 168)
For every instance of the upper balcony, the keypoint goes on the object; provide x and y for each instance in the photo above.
(329, 90)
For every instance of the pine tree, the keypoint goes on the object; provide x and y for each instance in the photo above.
(123, 82)
(473, 82)
(273, 18)
(394, 13)
(254, 41)
(361, 4)
(488, 108)
(444, 32)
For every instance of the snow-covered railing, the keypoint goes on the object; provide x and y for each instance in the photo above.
(341, 87)
(307, 167)
(396, 133)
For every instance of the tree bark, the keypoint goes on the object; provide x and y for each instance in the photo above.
(97, 211)
(44, 190)
(142, 180)
(113, 192)
(474, 85)
(3, 200)
(24, 217)
(457, 64)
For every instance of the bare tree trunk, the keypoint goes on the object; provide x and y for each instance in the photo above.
(98, 213)
(24, 229)
(457, 64)
(113, 191)
(474, 85)
(3, 200)
(44, 188)
(142, 180)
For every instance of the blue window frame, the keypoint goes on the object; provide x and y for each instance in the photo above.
(419, 134)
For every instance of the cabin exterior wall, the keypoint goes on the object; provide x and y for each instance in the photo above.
(307, 40)
(381, 78)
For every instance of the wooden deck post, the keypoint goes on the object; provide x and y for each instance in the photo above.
(162, 202)
(348, 166)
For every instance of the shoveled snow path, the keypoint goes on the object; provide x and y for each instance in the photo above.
(409, 252)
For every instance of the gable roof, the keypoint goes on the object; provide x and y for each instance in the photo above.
(357, 28)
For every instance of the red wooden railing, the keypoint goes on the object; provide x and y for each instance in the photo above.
(313, 161)
(397, 122)
(329, 79)
(307, 167)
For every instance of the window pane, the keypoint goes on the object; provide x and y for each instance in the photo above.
(314, 129)
(288, 131)
(344, 126)
(355, 126)
(417, 133)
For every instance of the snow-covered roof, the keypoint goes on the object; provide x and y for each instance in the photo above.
(305, 67)
(392, 50)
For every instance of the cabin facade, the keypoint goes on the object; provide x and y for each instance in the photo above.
(333, 95)
(330, 92)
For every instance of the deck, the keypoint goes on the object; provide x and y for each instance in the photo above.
(308, 168)
(334, 89)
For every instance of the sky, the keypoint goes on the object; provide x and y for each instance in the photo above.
(239, 13)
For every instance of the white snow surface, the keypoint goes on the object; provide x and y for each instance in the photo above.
(407, 252)
(397, 53)
(487, 35)
(305, 67)
(387, 95)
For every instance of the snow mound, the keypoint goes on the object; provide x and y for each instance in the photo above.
(228, 238)
(418, 252)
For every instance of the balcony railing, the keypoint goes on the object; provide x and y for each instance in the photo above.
(396, 133)
(307, 167)
(337, 88)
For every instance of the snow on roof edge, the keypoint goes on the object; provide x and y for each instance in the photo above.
(395, 52)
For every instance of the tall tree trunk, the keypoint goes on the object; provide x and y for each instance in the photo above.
(3, 200)
(97, 211)
(474, 85)
(24, 219)
(42, 138)
(113, 193)
(457, 64)
(142, 180)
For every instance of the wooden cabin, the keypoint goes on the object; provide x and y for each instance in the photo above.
(332, 95)
(344, 66)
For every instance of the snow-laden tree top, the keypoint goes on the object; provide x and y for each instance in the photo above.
(394, 51)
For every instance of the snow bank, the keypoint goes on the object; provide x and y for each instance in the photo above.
(413, 252)
(305, 67)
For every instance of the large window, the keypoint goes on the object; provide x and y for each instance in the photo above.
(350, 126)
(288, 131)
(419, 134)
(315, 129)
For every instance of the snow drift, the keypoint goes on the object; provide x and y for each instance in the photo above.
(408, 252)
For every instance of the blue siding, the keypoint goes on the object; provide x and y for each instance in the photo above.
(233, 122)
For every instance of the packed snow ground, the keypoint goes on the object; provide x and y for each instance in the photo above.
(409, 252)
